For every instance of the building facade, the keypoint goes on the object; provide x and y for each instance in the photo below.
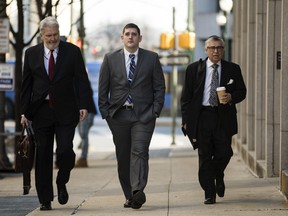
(260, 46)
(205, 21)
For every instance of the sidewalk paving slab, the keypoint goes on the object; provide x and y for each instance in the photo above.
(173, 188)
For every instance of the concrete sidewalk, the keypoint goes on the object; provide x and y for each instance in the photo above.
(173, 188)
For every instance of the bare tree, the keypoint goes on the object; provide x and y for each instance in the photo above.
(108, 37)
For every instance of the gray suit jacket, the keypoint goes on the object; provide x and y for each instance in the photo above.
(147, 88)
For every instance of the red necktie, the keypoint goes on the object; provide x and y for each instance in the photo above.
(51, 73)
(51, 65)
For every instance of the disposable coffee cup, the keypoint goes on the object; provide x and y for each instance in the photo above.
(220, 92)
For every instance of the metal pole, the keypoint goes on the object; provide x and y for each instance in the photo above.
(82, 28)
(190, 20)
(174, 84)
(225, 38)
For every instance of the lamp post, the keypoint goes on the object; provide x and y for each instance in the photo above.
(168, 41)
(222, 20)
(174, 107)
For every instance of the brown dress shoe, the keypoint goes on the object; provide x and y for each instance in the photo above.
(81, 162)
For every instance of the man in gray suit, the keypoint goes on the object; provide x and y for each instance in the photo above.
(131, 97)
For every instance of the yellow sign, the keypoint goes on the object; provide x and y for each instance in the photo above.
(187, 40)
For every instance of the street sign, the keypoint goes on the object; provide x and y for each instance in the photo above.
(4, 35)
(173, 60)
(6, 77)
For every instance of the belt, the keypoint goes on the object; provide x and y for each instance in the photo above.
(128, 107)
(210, 108)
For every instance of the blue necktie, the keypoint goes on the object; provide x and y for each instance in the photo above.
(131, 73)
(213, 100)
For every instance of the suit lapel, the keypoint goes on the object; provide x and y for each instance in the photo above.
(138, 64)
(224, 74)
(122, 65)
(60, 55)
(201, 75)
(41, 60)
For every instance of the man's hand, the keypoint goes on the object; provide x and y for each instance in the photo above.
(83, 114)
(24, 121)
(226, 98)
(184, 126)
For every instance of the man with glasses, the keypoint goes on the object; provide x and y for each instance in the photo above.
(208, 123)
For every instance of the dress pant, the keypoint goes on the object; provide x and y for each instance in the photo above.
(214, 150)
(47, 128)
(132, 140)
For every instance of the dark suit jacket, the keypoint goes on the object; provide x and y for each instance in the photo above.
(36, 85)
(192, 95)
(147, 88)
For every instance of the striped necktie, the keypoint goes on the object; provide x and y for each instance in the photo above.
(131, 73)
(213, 100)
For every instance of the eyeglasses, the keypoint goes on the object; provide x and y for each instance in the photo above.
(213, 48)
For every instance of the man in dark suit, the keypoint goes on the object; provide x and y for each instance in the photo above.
(208, 123)
(54, 96)
(131, 97)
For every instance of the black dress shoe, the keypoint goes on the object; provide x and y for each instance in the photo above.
(220, 187)
(62, 195)
(210, 200)
(45, 206)
(138, 200)
(128, 203)
(26, 189)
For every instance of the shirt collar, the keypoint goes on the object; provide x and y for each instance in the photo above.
(210, 63)
(127, 53)
(47, 51)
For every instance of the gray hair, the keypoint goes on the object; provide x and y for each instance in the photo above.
(48, 22)
(214, 38)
